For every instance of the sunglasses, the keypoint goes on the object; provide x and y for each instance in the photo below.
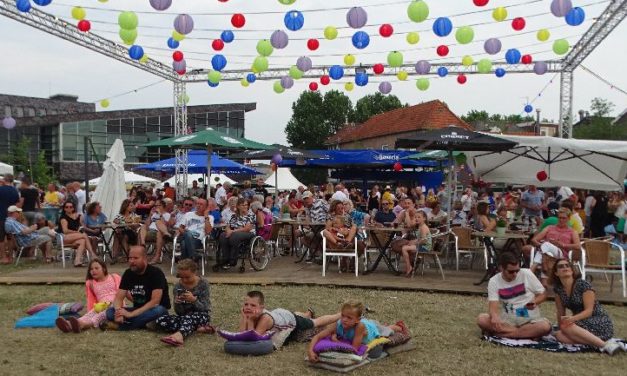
(68, 207)
(188, 204)
(563, 266)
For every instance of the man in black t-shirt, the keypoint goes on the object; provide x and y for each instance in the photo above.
(29, 200)
(148, 289)
(260, 189)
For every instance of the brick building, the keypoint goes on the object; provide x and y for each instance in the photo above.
(381, 131)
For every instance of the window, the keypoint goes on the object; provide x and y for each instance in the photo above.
(212, 119)
(19, 112)
(7, 111)
(41, 112)
(385, 147)
(30, 111)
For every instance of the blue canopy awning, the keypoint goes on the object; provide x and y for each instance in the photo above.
(376, 159)
(197, 164)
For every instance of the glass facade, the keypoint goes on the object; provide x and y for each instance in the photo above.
(41, 138)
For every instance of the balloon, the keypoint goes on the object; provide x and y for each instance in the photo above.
(561, 46)
(442, 71)
(244, 83)
(480, 3)
(512, 56)
(349, 86)
(518, 23)
(540, 67)
(214, 76)
(294, 20)
(8, 122)
(177, 56)
(83, 25)
(128, 20)
(160, 4)
(295, 73)
(361, 79)
(560, 8)
(442, 50)
(313, 86)
(361, 40)
(218, 62)
(177, 36)
(136, 52)
(238, 20)
(42, 3)
(78, 13)
(464, 34)
(336, 72)
(499, 14)
(461, 79)
(492, 46)
(395, 59)
(171, 42)
(349, 60)
(386, 30)
(184, 24)
(484, 66)
(527, 59)
(279, 39)
(278, 88)
(528, 108)
(413, 37)
(467, 61)
(402, 75)
(378, 68)
(179, 66)
(325, 80)
(418, 11)
(542, 175)
(287, 82)
(251, 78)
(264, 47)
(217, 44)
(422, 84)
(260, 64)
(442, 26)
(543, 35)
(287, 2)
(423, 67)
(330, 32)
(227, 36)
(499, 72)
(104, 103)
(313, 44)
(397, 166)
(575, 17)
(303, 63)
(356, 17)
(23, 5)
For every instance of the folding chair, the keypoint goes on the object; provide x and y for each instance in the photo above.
(341, 252)
(465, 244)
(175, 253)
(595, 258)
(438, 242)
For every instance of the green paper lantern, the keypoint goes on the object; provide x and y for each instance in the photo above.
(278, 88)
(543, 35)
(418, 11)
(287, 2)
(465, 34)
(183, 98)
(244, 82)
(78, 13)
(467, 61)
(402, 75)
(264, 48)
(295, 73)
(460, 159)
(349, 60)
(200, 180)
(349, 86)
(330, 32)
(561, 46)
(412, 37)
(395, 59)
(499, 14)
(484, 66)
(260, 64)
(128, 20)
(128, 36)
(422, 84)
(177, 36)
(104, 103)
(214, 76)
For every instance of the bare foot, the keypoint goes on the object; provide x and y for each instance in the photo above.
(408, 272)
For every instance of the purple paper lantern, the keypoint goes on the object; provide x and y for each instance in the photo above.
(8, 122)
(287, 82)
(560, 8)
(492, 46)
(184, 24)
(423, 67)
(160, 4)
(303, 64)
(179, 66)
(279, 39)
(356, 17)
(540, 67)
(277, 159)
(385, 87)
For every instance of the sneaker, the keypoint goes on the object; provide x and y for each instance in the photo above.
(152, 326)
(611, 347)
(108, 325)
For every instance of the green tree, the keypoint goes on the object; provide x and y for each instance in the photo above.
(307, 129)
(600, 128)
(374, 104)
(600, 107)
(25, 162)
(338, 108)
(475, 116)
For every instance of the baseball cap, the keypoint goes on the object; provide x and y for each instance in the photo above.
(167, 200)
(306, 194)
(13, 209)
(388, 187)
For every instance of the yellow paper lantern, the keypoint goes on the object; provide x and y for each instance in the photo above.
(499, 14)
(177, 36)
(413, 37)
(104, 103)
(78, 13)
(543, 35)
(402, 75)
(349, 60)
(143, 59)
(330, 32)
(349, 86)
(467, 61)
(244, 82)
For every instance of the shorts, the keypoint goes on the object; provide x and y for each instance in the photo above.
(302, 324)
(38, 240)
(151, 236)
(522, 316)
(3, 233)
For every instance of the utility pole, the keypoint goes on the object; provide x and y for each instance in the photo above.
(537, 127)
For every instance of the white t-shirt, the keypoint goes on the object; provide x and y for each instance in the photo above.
(339, 196)
(466, 202)
(155, 217)
(221, 196)
(587, 206)
(227, 213)
(514, 294)
(620, 211)
(82, 199)
(196, 224)
(565, 193)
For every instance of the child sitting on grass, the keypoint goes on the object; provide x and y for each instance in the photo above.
(100, 288)
(354, 328)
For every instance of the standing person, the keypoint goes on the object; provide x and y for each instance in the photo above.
(146, 287)
(29, 201)
(261, 190)
(193, 228)
(70, 195)
(374, 197)
(8, 197)
(598, 216)
(221, 194)
(168, 191)
(467, 201)
(532, 201)
(81, 197)
(52, 203)
(589, 323)
(196, 191)
(514, 296)
(587, 207)
(240, 229)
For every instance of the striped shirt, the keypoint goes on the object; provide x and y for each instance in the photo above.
(12, 226)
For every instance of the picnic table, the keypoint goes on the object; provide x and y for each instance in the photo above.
(487, 238)
(383, 246)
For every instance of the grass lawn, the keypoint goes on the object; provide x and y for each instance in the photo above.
(443, 328)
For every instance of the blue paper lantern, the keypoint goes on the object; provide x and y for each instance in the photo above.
(42, 3)
(336, 72)
(575, 16)
(227, 36)
(442, 71)
(361, 40)
(361, 79)
(136, 52)
(173, 44)
(294, 20)
(528, 108)
(23, 5)
(211, 84)
(499, 72)
(512, 56)
(218, 62)
(251, 78)
(442, 26)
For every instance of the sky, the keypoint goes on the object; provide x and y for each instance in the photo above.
(38, 64)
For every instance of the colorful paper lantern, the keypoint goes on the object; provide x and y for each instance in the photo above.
(575, 16)
(177, 56)
(467, 60)
(542, 175)
(402, 75)
(361, 79)
(183, 24)
(160, 5)
(177, 36)
(418, 11)
(135, 52)
(422, 84)
(325, 80)
(294, 20)
(104, 103)
(378, 68)
(442, 50)
(244, 83)
(303, 63)
(313, 44)
(179, 66)
(561, 46)
(218, 62)
(260, 64)
(518, 23)
(386, 30)
(336, 72)
(279, 39)
(287, 2)
(277, 87)
(78, 13)
(349, 86)
(442, 26)
(484, 66)
(217, 44)
(543, 35)
(528, 108)
(526, 59)
(461, 79)
(313, 86)
(264, 48)
(8, 122)
(361, 40)
(499, 72)
(442, 71)
(214, 76)
(412, 37)
(499, 14)
(42, 3)
(227, 36)
(422, 67)
(84, 25)
(23, 5)
(171, 42)
(560, 8)
(238, 20)
(295, 73)
(356, 17)
(480, 3)
(492, 46)
(213, 84)
(512, 56)
(330, 32)
(397, 166)
(128, 36)
(349, 60)
(144, 58)
(540, 67)
(464, 35)
(128, 20)
(287, 82)
(251, 78)
(395, 59)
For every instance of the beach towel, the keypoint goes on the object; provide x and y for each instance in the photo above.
(546, 343)
(42, 319)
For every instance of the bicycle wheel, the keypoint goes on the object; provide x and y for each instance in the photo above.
(259, 254)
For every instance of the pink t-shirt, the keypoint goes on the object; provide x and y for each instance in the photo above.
(103, 291)
(562, 235)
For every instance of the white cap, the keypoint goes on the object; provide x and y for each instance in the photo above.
(306, 194)
(13, 209)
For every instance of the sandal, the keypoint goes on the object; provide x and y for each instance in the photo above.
(403, 327)
(208, 329)
(63, 325)
(171, 341)
(312, 312)
(74, 324)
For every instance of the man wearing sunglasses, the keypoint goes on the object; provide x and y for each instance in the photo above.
(514, 295)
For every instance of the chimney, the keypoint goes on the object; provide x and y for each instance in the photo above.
(64, 97)
(582, 115)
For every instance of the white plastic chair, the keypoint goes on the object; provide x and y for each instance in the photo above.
(330, 252)
(175, 253)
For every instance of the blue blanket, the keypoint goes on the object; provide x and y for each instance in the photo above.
(42, 319)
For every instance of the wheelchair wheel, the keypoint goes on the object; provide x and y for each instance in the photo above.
(259, 253)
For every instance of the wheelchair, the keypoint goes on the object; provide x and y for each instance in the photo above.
(257, 251)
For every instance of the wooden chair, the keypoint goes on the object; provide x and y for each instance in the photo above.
(464, 244)
(438, 241)
(595, 258)
(341, 252)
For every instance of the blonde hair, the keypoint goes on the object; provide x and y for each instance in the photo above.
(564, 211)
(354, 305)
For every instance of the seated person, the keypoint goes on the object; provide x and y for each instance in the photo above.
(45, 226)
(316, 212)
(27, 237)
(514, 296)
(459, 216)
(70, 224)
(176, 219)
(340, 231)
(482, 221)
(263, 220)
(213, 210)
(421, 241)
(193, 228)
(94, 218)
(147, 289)
(436, 214)
(385, 216)
(286, 324)
(231, 208)
(126, 225)
(155, 229)
(240, 230)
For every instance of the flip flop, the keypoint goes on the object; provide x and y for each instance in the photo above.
(313, 313)
(171, 341)
(63, 325)
(74, 324)
(208, 329)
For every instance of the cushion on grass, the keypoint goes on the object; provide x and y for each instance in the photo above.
(398, 338)
(42, 319)
(378, 341)
(339, 359)
(326, 344)
(70, 308)
(245, 336)
(38, 307)
(249, 347)
(407, 346)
